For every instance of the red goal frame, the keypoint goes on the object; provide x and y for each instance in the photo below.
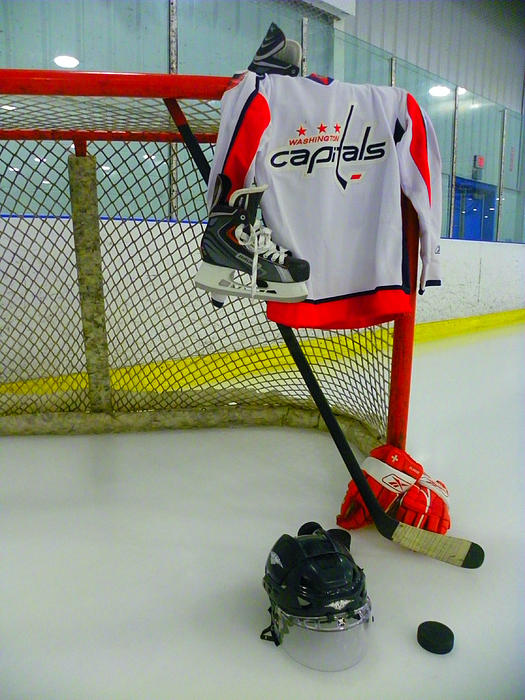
(172, 88)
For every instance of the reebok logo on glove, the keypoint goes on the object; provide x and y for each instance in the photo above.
(396, 483)
(402, 488)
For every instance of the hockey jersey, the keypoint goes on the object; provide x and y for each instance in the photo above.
(336, 157)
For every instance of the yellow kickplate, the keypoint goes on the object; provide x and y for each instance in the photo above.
(207, 370)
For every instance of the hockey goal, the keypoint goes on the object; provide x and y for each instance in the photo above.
(101, 328)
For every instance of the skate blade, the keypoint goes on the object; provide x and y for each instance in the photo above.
(213, 278)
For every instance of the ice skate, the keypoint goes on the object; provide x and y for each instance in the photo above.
(239, 257)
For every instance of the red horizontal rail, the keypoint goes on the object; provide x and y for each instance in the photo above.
(99, 135)
(22, 81)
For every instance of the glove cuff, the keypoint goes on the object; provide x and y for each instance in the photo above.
(438, 487)
(390, 478)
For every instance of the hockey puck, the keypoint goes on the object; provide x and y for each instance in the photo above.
(435, 637)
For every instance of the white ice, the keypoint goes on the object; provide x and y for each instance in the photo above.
(131, 565)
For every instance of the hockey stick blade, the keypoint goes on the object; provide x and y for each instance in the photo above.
(452, 550)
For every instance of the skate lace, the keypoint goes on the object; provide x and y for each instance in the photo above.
(258, 240)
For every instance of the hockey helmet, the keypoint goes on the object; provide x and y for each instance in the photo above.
(319, 607)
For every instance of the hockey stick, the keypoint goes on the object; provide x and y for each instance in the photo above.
(452, 550)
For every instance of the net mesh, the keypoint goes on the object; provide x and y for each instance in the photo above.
(124, 117)
(168, 350)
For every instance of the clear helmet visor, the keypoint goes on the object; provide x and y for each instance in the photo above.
(325, 643)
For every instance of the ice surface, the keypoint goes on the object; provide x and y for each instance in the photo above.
(131, 565)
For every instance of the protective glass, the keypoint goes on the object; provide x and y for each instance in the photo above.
(325, 643)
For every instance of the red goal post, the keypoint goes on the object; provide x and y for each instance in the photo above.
(102, 208)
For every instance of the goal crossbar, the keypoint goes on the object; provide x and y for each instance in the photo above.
(92, 84)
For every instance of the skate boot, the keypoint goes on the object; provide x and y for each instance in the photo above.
(277, 54)
(239, 257)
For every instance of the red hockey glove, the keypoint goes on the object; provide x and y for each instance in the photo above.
(425, 505)
(390, 472)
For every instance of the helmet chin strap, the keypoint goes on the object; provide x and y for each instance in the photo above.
(268, 634)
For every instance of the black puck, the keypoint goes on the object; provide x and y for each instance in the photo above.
(435, 637)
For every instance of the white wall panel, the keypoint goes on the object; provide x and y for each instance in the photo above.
(126, 35)
(478, 278)
(479, 45)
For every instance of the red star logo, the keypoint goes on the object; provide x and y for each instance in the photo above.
(321, 128)
(337, 128)
(301, 130)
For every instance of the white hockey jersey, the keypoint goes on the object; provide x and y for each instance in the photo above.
(336, 157)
